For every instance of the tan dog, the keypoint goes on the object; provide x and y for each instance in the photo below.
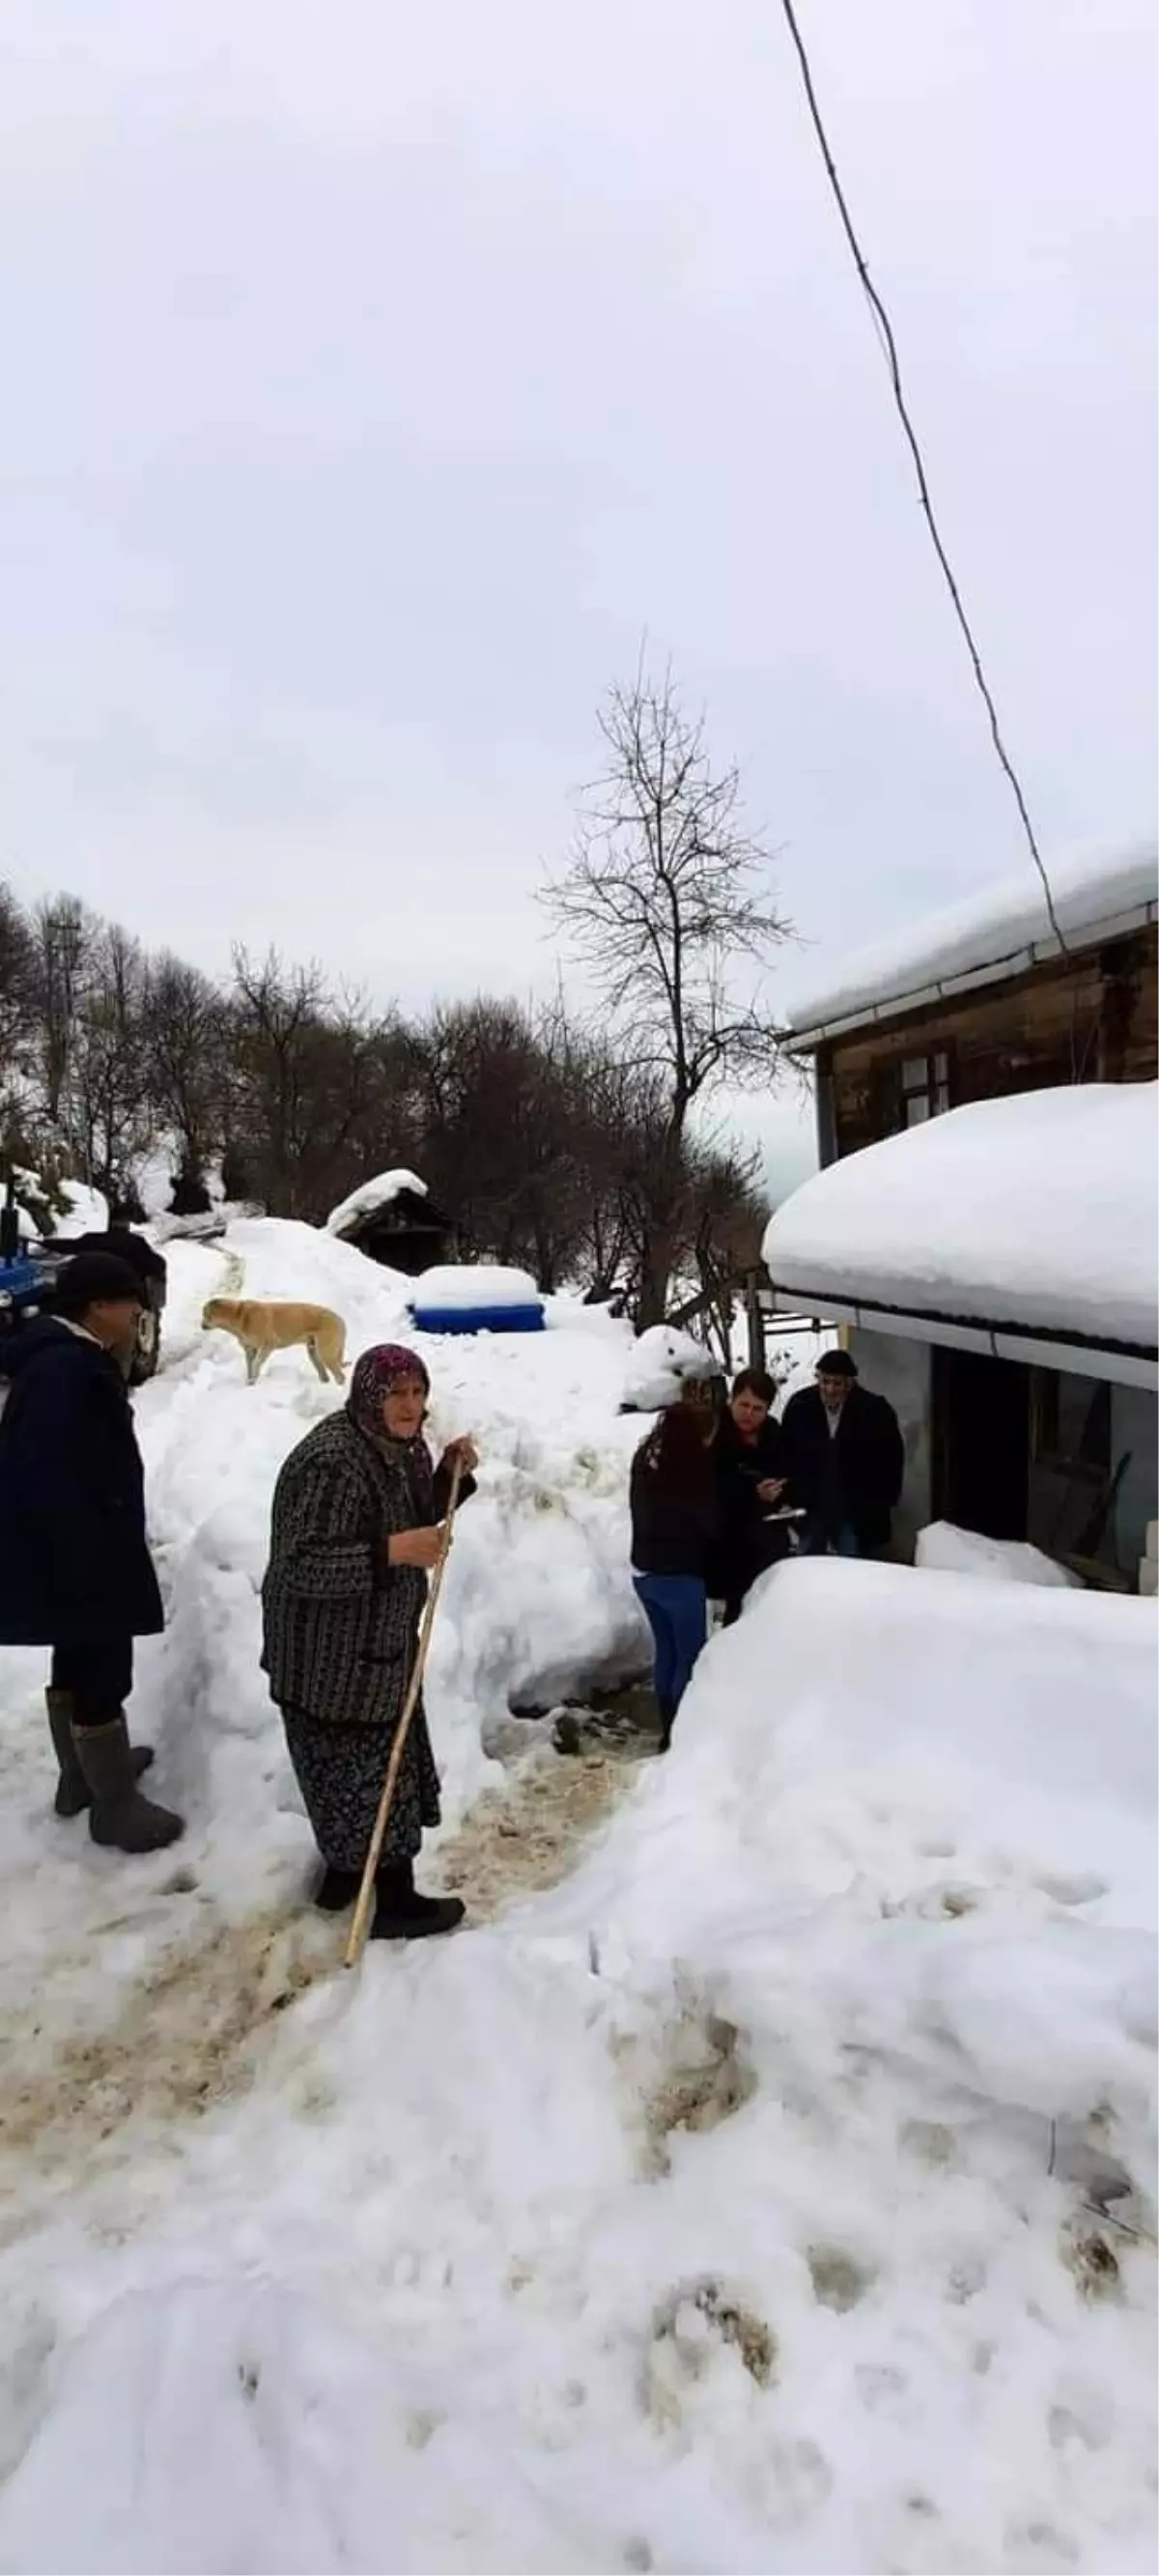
(263, 1325)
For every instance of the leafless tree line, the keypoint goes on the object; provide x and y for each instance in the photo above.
(541, 1140)
(571, 1144)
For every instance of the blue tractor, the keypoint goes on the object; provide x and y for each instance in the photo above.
(28, 1274)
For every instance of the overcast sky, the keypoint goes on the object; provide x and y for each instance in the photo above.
(375, 375)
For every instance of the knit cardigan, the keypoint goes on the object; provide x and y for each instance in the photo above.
(339, 1622)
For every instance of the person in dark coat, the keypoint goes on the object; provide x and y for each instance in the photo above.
(675, 1524)
(845, 1458)
(147, 1264)
(751, 1477)
(75, 1569)
(356, 1527)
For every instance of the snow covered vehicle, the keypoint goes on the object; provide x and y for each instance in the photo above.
(28, 1274)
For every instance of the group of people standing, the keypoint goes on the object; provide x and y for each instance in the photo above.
(720, 1493)
(359, 1519)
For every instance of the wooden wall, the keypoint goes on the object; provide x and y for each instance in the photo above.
(1093, 1018)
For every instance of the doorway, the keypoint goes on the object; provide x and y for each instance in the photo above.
(981, 1442)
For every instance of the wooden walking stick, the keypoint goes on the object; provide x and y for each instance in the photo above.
(358, 1929)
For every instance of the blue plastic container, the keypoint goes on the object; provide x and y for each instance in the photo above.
(477, 1319)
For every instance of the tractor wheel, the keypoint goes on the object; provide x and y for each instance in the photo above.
(147, 1356)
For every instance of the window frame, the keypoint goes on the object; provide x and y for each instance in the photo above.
(926, 1078)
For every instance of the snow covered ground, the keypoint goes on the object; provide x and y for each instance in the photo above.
(733, 2206)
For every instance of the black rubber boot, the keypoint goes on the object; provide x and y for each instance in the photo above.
(336, 1889)
(72, 1789)
(667, 1710)
(120, 1816)
(403, 1915)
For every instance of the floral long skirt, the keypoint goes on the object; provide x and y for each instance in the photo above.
(340, 1771)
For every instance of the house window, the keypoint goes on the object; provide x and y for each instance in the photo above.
(1071, 1425)
(1072, 1485)
(925, 1088)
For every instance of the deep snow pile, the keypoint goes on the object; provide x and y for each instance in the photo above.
(724, 2209)
(1040, 1209)
(943, 1548)
(87, 1210)
(659, 1361)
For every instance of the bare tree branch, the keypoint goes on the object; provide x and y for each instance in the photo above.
(665, 898)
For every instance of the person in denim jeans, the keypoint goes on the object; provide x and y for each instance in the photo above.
(674, 1531)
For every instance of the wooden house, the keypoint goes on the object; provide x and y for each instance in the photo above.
(1012, 1428)
(981, 1002)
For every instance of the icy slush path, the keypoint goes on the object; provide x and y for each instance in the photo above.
(198, 2027)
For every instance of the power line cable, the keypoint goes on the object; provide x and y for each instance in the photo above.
(889, 346)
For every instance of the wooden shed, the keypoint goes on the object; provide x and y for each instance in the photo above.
(393, 1219)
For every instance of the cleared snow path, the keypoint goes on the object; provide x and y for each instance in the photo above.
(200, 2025)
(136, 1997)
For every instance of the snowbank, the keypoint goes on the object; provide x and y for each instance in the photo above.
(659, 1362)
(378, 1193)
(725, 2210)
(885, 1736)
(948, 1550)
(1038, 1210)
(1002, 924)
(87, 1212)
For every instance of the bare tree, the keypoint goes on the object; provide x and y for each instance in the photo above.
(64, 935)
(662, 902)
(109, 1119)
(187, 1071)
(277, 1011)
(314, 1086)
(16, 990)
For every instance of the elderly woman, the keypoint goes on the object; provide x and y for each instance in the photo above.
(356, 1527)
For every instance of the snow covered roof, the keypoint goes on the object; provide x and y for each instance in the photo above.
(372, 1196)
(987, 938)
(1038, 1214)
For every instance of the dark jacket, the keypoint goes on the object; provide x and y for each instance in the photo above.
(673, 1532)
(747, 1541)
(339, 1622)
(74, 1563)
(854, 1473)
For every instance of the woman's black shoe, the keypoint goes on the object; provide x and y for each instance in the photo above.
(336, 1889)
(403, 1915)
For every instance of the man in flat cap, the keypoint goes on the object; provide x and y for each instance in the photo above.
(75, 1569)
(846, 1459)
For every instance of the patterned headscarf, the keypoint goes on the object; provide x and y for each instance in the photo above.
(375, 1374)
